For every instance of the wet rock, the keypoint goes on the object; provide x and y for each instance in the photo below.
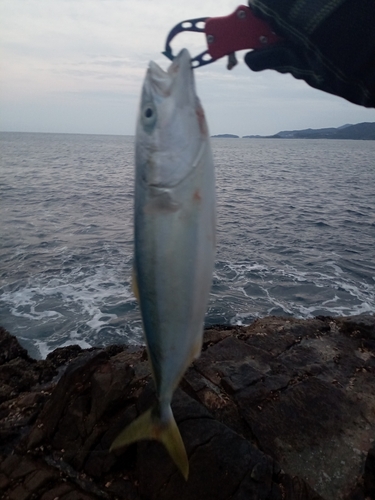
(361, 325)
(281, 409)
(10, 348)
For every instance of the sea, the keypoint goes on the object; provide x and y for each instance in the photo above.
(295, 235)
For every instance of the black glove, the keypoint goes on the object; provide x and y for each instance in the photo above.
(328, 43)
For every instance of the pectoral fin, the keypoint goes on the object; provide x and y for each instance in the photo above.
(135, 285)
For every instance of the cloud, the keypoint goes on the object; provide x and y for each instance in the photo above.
(61, 56)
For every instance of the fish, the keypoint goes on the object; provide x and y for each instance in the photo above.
(174, 240)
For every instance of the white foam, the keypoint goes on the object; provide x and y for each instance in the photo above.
(43, 348)
(95, 306)
(82, 343)
(329, 301)
(87, 300)
(241, 277)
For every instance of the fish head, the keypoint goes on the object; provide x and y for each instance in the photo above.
(171, 127)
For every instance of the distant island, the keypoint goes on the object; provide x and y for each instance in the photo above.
(226, 136)
(360, 131)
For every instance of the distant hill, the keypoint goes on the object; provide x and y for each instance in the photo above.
(361, 131)
(226, 136)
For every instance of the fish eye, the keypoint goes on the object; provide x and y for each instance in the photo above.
(149, 116)
(148, 112)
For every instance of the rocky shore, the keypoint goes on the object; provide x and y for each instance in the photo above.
(281, 409)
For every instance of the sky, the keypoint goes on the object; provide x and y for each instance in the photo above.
(77, 66)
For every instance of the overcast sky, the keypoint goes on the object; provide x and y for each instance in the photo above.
(77, 66)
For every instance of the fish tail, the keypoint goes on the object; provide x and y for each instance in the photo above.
(153, 425)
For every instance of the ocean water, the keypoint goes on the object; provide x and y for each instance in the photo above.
(296, 234)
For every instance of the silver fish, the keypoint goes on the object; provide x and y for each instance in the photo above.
(174, 234)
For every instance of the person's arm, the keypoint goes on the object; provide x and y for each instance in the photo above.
(328, 43)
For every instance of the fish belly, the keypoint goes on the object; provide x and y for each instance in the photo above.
(174, 257)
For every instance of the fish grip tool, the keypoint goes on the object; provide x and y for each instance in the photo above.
(225, 35)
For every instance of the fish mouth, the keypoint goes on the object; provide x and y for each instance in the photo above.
(177, 80)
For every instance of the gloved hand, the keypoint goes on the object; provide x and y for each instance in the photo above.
(328, 43)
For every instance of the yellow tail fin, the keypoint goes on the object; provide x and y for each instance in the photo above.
(150, 426)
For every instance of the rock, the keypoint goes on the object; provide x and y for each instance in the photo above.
(10, 348)
(281, 409)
